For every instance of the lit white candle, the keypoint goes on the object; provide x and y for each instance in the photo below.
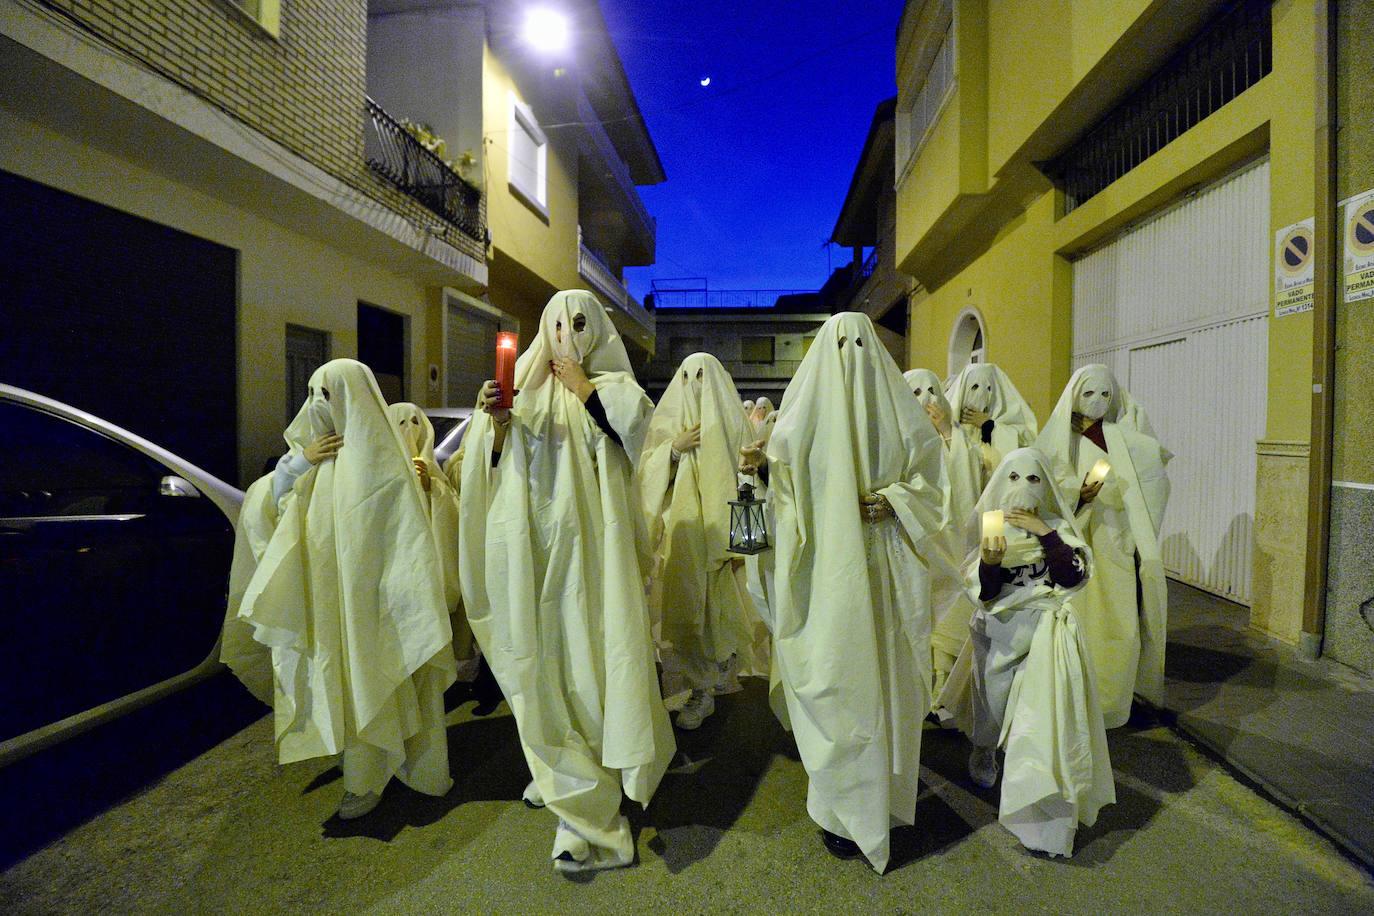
(992, 524)
(1098, 473)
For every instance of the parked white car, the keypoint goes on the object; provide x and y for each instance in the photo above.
(114, 570)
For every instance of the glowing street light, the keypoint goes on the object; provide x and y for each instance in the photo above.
(546, 29)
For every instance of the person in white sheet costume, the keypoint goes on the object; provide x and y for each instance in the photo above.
(762, 410)
(1031, 686)
(853, 467)
(1123, 610)
(554, 553)
(348, 598)
(418, 434)
(961, 458)
(686, 479)
(983, 400)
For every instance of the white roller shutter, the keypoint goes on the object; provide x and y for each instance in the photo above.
(1178, 308)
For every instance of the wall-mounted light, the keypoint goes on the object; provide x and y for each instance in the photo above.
(546, 29)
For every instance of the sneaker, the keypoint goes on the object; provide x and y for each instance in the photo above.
(700, 705)
(351, 806)
(729, 677)
(840, 847)
(569, 846)
(982, 766)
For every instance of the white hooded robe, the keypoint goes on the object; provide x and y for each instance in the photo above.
(1126, 637)
(698, 593)
(348, 598)
(552, 567)
(852, 624)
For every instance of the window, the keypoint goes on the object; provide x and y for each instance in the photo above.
(266, 13)
(529, 157)
(756, 349)
(929, 90)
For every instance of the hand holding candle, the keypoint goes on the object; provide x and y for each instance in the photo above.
(1092, 484)
(505, 368)
(994, 544)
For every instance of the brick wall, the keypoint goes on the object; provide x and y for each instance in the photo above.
(304, 90)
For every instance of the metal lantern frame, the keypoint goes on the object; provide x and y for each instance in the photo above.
(748, 532)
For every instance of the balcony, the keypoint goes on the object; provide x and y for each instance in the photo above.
(400, 158)
(608, 198)
(592, 269)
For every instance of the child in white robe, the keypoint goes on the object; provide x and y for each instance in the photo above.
(418, 433)
(983, 399)
(1031, 687)
(962, 465)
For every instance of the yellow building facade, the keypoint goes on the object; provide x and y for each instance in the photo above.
(994, 96)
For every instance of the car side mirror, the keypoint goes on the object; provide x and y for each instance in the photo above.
(172, 485)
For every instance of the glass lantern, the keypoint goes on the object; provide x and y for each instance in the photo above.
(748, 534)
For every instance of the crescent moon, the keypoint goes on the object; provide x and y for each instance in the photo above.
(706, 81)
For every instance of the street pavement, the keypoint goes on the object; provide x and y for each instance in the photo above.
(230, 831)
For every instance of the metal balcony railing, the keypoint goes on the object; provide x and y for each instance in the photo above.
(592, 268)
(401, 159)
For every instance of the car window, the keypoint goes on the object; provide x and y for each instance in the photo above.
(442, 425)
(52, 466)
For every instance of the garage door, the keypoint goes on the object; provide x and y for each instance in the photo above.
(1178, 308)
(469, 348)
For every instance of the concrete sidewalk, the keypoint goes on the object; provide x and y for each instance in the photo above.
(1303, 731)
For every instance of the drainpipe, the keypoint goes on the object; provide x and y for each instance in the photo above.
(1325, 290)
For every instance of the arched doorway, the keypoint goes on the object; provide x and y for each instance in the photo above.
(967, 342)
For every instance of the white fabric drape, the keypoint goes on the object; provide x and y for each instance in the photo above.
(552, 568)
(698, 591)
(852, 626)
(1025, 680)
(349, 598)
(962, 465)
(418, 433)
(986, 387)
(1126, 636)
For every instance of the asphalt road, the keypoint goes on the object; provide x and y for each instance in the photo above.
(229, 831)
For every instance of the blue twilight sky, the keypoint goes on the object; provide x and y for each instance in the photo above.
(758, 162)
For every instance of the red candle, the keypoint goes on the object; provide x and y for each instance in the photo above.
(505, 367)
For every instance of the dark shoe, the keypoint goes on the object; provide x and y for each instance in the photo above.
(839, 847)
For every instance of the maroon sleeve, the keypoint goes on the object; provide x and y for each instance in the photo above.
(990, 579)
(1064, 570)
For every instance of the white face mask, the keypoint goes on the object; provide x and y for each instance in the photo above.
(1026, 487)
(978, 388)
(925, 396)
(321, 415)
(1094, 395)
(410, 433)
(568, 341)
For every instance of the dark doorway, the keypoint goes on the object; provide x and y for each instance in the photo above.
(306, 350)
(382, 345)
(131, 320)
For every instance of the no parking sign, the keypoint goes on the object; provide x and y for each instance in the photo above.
(1293, 269)
(1358, 231)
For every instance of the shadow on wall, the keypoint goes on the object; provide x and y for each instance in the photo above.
(1232, 565)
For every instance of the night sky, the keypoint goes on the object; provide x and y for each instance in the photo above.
(759, 161)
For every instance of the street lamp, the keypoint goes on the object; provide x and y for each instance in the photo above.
(546, 29)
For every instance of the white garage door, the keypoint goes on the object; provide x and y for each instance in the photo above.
(1178, 308)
